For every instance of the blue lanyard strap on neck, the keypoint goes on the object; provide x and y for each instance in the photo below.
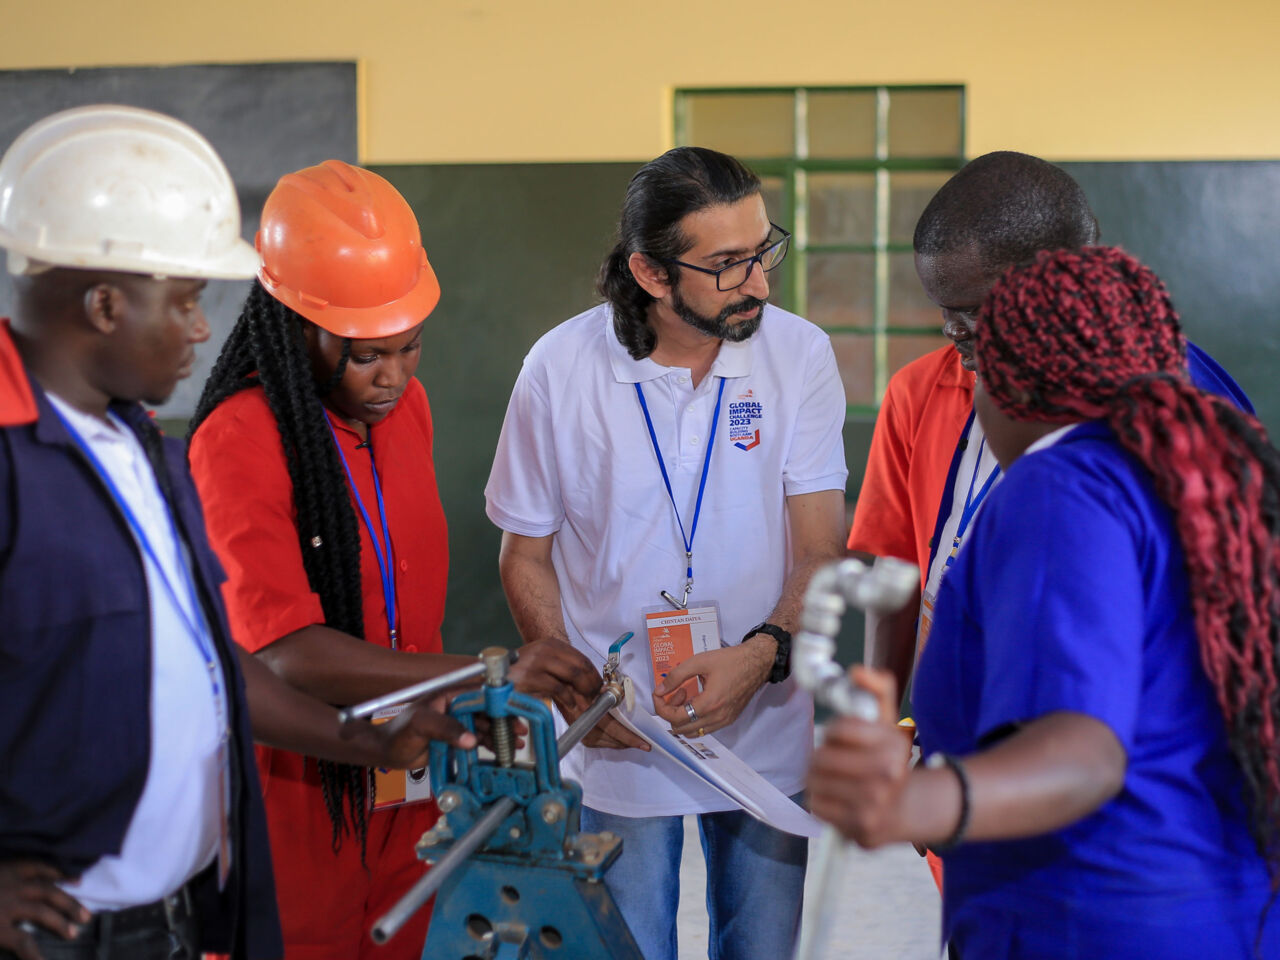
(189, 612)
(702, 484)
(381, 547)
(971, 503)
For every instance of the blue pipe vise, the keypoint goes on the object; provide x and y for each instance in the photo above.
(516, 879)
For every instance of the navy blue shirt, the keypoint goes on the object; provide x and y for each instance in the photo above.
(75, 671)
(1071, 595)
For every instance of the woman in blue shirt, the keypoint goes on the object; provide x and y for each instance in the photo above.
(1098, 702)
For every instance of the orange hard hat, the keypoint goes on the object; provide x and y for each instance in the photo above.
(341, 247)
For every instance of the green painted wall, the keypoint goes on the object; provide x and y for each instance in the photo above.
(1212, 232)
(516, 248)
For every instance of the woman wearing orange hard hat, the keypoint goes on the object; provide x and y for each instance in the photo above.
(312, 450)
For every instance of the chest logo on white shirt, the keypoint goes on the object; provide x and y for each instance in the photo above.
(745, 414)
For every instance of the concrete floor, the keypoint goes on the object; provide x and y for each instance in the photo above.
(889, 905)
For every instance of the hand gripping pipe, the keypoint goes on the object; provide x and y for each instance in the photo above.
(418, 690)
(882, 588)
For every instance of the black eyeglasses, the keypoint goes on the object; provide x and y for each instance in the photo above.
(733, 275)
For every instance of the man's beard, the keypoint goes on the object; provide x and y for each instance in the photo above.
(719, 326)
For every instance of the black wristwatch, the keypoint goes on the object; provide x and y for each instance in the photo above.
(782, 659)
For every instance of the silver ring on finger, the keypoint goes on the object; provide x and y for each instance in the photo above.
(693, 714)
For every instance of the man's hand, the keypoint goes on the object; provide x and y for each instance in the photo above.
(859, 772)
(29, 894)
(529, 581)
(730, 678)
(555, 669)
(608, 733)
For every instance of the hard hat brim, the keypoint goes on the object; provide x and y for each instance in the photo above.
(239, 262)
(364, 323)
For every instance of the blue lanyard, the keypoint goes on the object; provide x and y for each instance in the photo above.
(381, 548)
(702, 484)
(197, 633)
(971, 504)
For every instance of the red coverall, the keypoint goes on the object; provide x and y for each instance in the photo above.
(327, 901)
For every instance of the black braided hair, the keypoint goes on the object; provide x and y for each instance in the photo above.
(266, 348)
(1093, 334)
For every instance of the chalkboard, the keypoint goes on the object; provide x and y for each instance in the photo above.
(1211, 230)
(264, 119)
(516, 248)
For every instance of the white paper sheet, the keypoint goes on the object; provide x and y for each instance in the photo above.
(713, 762)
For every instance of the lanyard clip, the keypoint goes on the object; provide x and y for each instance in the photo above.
(676, 604)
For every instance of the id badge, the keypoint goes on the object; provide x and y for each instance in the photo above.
(676, 635)
(395, 788)
(224, 811)
(926, 623)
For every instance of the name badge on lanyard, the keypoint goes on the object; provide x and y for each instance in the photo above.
(678, 633)
(395, 788)
(971, 505)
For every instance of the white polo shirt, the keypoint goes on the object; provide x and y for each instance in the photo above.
(575, 459)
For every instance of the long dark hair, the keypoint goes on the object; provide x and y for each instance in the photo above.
(1093, 334)
(661, 194)
(266, 348)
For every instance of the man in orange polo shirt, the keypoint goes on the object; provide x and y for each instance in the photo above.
(929, 468)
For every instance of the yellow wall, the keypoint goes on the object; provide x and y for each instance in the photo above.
(555, 80)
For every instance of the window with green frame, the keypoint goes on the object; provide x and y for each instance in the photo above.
(849, 169)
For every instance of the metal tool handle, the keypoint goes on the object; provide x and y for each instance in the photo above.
(416, 691)
(389, 923)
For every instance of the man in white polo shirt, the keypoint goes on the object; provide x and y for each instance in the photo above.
(681, 442)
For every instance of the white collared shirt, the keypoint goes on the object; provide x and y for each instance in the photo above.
(175, 827)
(977, 463)
(575, 460)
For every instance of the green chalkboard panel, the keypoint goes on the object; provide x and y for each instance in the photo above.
(517, 246)
(1212, 232)
(264, 119)
(516, 249)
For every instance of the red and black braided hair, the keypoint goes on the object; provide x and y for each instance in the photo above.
(1092, 334)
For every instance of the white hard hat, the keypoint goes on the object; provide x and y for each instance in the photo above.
(118, 188)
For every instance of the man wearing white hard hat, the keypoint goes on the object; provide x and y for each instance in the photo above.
(131, 824)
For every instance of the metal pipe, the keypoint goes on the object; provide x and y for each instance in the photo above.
(608, 698)
(390, 922)
(416, 691)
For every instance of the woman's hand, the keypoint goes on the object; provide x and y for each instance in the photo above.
(859, 773)
(403, 742)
